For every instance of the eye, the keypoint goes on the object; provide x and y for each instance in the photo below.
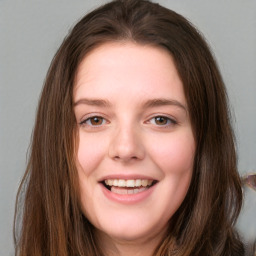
(94, 121)
(162, 121)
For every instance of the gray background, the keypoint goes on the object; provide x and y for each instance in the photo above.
(32, 30)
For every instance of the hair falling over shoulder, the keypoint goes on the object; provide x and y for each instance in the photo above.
(49, 219)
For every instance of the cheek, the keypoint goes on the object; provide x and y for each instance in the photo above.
(91, 150)
(174, 157)
(90, 153)
(175, 154)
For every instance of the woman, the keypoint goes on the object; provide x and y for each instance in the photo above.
(132, 152)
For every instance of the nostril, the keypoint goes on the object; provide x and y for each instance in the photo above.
(125, 147)
(128, 158)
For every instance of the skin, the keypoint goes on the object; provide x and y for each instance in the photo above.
(127, 85)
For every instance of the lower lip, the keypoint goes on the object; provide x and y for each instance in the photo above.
(129, 198)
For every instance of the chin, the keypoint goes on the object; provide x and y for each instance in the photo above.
(130, 228)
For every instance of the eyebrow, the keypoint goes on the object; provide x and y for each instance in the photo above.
(158, 102)
(163, 102)
(93, 102)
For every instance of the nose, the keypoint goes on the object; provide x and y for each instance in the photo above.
(126, 145)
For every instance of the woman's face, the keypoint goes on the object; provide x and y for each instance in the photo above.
(136, 146)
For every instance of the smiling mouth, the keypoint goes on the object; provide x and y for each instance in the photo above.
(124, 187)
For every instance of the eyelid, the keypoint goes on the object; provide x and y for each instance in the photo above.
(171, 120)
(91, 116)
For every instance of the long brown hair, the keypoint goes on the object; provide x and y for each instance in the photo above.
(51, 221)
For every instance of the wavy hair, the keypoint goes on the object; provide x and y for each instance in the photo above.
(48, 216)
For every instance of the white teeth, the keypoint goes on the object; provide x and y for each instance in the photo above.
(136, 190)
(144, 183)
(138, 183)
(128, 183)
(121, 183)
(122, 191)
(130, 191)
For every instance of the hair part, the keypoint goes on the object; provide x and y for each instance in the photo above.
(53, 223)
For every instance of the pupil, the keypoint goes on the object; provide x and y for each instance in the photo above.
(96, 120)
(161, 120)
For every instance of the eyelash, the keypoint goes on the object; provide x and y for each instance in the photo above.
(90, 119)
(169, 121)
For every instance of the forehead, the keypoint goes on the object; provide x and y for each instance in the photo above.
(126, 68)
